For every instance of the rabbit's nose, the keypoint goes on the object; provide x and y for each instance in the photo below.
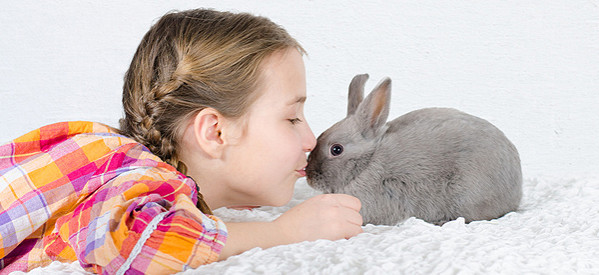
(312, 170)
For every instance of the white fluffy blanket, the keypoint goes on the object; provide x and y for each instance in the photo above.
(555, 231)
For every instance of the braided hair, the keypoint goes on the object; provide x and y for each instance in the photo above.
(189, 61)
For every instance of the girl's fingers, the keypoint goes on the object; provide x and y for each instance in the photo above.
(353, 217)
(349, 201)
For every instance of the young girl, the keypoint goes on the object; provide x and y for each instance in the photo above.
(213, 118)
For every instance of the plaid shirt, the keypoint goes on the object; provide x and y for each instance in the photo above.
(78, 191)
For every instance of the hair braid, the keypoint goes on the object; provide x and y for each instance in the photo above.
(145, 129)
(189, 61)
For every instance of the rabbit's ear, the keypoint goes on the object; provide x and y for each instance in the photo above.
(356, 93)
(374, 110)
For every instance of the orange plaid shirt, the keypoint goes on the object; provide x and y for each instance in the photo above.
(78, 191)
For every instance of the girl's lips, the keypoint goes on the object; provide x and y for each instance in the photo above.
(302, 172)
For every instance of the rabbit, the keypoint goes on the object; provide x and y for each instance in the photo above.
(435, 164)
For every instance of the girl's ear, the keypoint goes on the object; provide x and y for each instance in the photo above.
(207, 129)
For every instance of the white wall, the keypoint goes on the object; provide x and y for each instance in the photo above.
(529, 67)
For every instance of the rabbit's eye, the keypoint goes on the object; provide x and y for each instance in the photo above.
(336, 149)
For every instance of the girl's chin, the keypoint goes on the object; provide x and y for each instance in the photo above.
(275, 197)
(282, 199)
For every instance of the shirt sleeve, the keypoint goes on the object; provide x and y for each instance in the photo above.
(141, 220)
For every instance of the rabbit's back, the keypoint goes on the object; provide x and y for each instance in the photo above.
(448, 164)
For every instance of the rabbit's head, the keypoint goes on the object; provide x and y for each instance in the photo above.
(346, 149)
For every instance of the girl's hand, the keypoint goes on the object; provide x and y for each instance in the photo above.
(328, 216)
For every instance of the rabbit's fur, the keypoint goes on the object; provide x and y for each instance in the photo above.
(436, 164)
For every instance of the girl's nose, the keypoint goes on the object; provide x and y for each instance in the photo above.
(309, 140)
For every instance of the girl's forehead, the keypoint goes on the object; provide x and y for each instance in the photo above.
(283, 79)
(279, 98)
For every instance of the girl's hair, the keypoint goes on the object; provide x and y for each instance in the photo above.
(192, 60)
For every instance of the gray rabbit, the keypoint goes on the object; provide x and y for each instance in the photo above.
(436, 164)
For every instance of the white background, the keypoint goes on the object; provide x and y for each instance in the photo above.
(529, 67)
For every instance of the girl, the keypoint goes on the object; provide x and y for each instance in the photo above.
(213, 118)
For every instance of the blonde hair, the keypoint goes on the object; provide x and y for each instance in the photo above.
(192, 60)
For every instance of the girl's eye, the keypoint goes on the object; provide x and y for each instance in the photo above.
(295, 121)
(336, 149)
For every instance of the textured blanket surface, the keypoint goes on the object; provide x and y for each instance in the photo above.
(555, 231)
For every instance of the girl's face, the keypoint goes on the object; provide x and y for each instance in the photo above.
(274, 137)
